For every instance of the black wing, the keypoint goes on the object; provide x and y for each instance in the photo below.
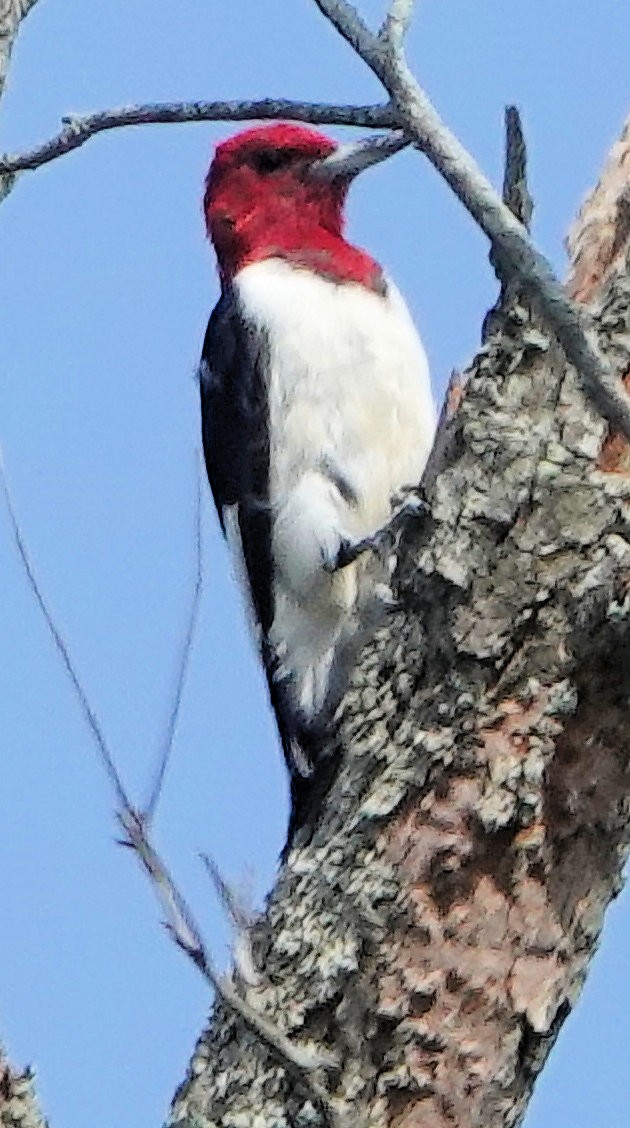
(234, 413)
(235, 440)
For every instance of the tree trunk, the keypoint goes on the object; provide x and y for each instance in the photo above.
(435, 931)
(19, 1107)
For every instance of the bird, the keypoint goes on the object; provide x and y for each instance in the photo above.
(317, 413)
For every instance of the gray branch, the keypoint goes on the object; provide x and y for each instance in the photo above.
(77, 129)
(516, 194)
(435, 928)
(149, 809)
(396, 24)
(514, 253)
(305, 1064)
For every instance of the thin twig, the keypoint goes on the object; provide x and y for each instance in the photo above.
(89, 715)
(234, 910)
(515, 255)
(79, 129)
(180, 922)
(242, 920)
(517, 198)
(182, 666)
(182, 927)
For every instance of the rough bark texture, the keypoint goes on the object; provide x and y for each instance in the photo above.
(436, 930)
(598, 239)
(18, 1104)
(12, 12)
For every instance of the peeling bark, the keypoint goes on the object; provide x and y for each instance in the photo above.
(598, 239)
(436, 930)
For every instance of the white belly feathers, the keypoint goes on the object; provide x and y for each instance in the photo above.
(351, 421)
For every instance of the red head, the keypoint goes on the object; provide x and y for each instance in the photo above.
(266, 198)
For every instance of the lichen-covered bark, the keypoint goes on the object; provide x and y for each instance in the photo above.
(12, 12)
(19, 1107)
(436, 930)
(18, 1104)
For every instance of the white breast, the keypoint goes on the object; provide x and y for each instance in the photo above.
(351, 421)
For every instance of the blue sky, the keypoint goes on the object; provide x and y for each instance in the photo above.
(105, 290)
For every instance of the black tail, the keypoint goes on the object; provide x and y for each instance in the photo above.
(307, 798)
(311, 771)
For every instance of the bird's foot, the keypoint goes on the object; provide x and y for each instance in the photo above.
(410, 506)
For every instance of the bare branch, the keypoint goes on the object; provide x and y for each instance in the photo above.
(182, 668)
(242, 919)
(180, 921)
(345, 18)
(517, 198)
(238, 915)
(181, 925)
(301, 1063)
(7, 183)
(516, 194)
(89, 715)
(396, 23)
(515, 255)
(79, 129)
(436, 926)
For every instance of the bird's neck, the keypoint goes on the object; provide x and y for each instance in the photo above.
(314, 248)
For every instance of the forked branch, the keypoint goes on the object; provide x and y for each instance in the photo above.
(179, 920)
(515, 255)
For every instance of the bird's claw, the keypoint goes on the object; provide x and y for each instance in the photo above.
(349, 551)
(412, 506)
(346, 553)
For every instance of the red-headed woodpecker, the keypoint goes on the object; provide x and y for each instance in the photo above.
(316, 410)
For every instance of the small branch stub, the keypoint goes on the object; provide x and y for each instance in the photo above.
(516, 195)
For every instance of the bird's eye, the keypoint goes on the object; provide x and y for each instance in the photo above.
(270, 160)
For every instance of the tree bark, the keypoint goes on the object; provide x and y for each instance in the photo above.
(436, 930)
(12, 12)
(19, 1107)
(421, 950)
